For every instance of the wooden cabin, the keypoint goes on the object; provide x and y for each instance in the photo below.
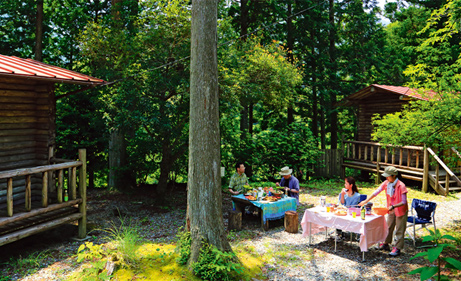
(413, 162)
(37, 190)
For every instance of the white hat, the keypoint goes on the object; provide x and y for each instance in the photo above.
(285, 171)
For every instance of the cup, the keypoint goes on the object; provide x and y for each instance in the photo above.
(328, 209)
(354, 214)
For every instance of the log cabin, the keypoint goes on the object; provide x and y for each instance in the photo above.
(37, 190)
(416, 162)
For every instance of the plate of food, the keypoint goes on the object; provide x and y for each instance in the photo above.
(270, 199)
(250, 197)
(341, 213)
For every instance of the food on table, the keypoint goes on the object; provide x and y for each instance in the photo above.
(250, 197)
(341, 213)
(270, 198)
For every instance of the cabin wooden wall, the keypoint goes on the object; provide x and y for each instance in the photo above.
(27, 130)
(380, 102)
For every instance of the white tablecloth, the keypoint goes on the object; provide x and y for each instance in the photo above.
(373, 229)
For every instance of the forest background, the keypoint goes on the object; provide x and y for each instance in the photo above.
(283, 66)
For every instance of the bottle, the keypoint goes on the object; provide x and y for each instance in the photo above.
(362, 213)
(66, 195)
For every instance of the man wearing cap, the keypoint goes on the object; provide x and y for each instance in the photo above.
(396, 195)
(290, 183)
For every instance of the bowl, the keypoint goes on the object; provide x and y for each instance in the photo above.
(380, 211)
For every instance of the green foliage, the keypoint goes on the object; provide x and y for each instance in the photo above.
(434, 255)
(127, 240)
(29, 263)
(293, 143)
(216, 265)
(184, 246)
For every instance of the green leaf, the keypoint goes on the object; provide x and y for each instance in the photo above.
(428, 272)
(421, 254)
(434, 253)
(415, 271)
(447, 236)
(456, 264)
(81, 248)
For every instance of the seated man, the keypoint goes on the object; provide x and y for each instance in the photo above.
(290, 183)
(238, 180)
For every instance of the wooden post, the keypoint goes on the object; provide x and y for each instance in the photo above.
(28, 194)
(73, 183)
(425, 169)
(400, 156)
(235, 220)
(366, 153)
(409, 157)
(45, 189)
(447, 184)
(360, 152)
(9, 197)
(82, 191)
(386, 156)
(291, 222)
(417, 159)
(393, 156)
(378, 159)
(372, 153)
(437, 176)
(60, 183)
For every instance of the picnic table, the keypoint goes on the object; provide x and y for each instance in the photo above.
(372, 230)
(269, 210)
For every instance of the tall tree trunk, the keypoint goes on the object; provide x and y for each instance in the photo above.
(244, 9)
(333, 80)
(322, 121)
(39, 31)
(244, 122)
(204, 198)
(315, 102)
(118, 177)
(290, 44)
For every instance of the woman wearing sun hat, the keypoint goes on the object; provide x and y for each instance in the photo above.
(290, 183)
(396, 195)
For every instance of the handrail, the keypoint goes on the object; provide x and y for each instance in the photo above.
(38, 169)
(389, 145)
(456, 151)
(440, 162)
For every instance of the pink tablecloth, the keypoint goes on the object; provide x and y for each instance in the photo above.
(373, 229)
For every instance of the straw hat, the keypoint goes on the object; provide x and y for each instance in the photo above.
(285, 171)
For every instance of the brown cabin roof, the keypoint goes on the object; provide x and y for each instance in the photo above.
(32, 69)
(375, 88)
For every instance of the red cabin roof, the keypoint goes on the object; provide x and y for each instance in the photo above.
(398, 90)
(32, 69)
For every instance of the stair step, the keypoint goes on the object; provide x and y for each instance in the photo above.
(455, 188)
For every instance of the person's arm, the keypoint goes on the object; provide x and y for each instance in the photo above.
(232, 184)
(377, 191)
(403, 202)
(295, 187)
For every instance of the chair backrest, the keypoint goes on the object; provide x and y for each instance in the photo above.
(363, 197)
(424, 209)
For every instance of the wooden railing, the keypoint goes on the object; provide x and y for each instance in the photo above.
(403, 157)
(414, 160)
(26, 191)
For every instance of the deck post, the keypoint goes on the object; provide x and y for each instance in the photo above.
(425, 170)
(9, 197)
(82, 191)
(28, 194)
(343, 148)
(45, 189)
(378, 159)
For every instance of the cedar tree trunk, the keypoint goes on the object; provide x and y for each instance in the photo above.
(204, 199)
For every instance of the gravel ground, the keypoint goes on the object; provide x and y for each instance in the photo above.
(293, 259)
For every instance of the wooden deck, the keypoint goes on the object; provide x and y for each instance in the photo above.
(22, 214)
(412, 162)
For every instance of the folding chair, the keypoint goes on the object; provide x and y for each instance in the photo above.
(425, 215)
(363, 197)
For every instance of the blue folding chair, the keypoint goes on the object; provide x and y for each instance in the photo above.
(425, 215)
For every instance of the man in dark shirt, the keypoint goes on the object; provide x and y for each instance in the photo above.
(291, 183)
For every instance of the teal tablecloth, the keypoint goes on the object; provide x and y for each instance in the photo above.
(273, 210)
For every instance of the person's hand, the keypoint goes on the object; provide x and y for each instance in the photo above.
(277, 184)
(286, 189)
(362, 203)
(343, 191)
